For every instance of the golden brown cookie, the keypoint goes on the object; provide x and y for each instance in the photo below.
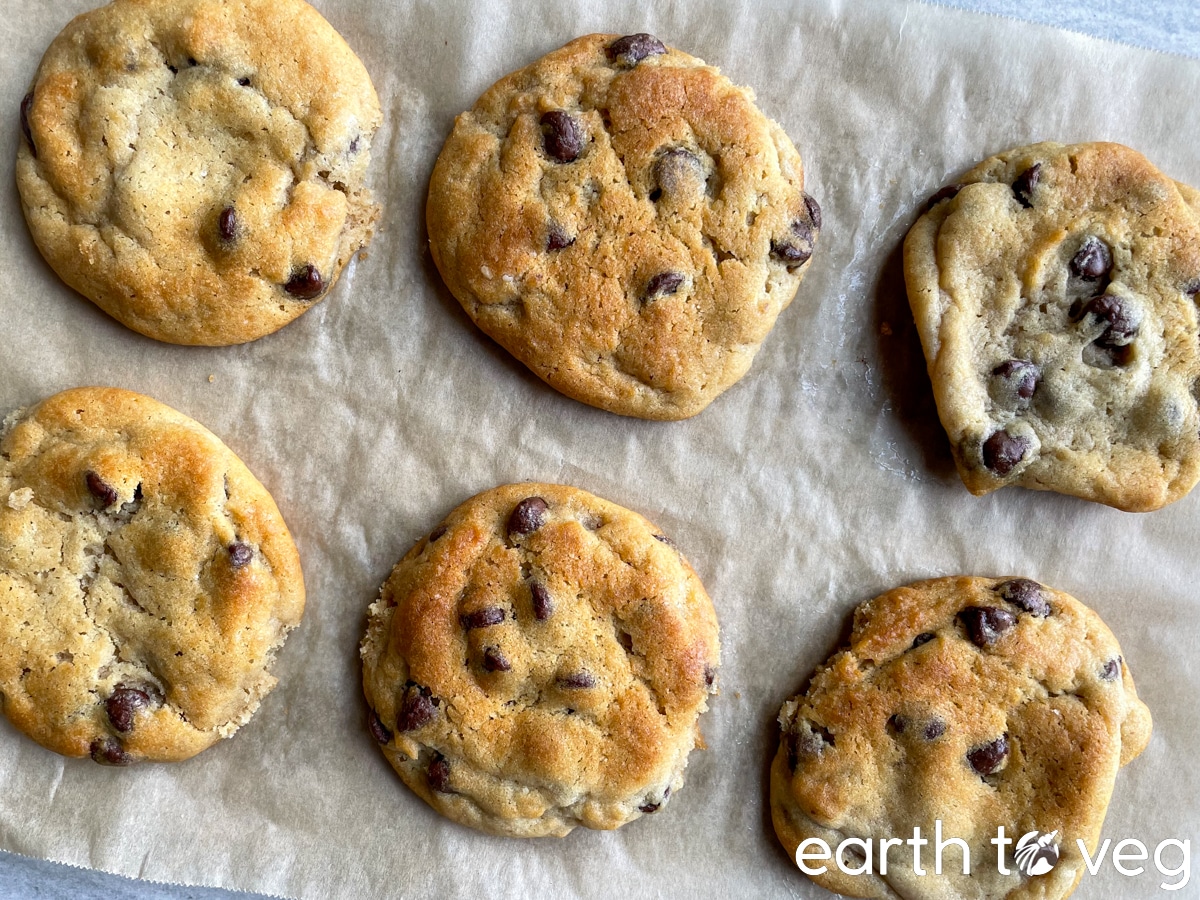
(623, 220)
(147, 580)
(539, 662)
(196, 167)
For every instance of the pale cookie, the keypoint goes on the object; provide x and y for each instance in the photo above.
(1054, 290)
(623, 220)
(539, 662)
(973, 702)
(147, 580)
(196, 167)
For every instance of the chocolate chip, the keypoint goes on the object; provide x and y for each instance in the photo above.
(558, 239)
(633, 48)
(1018, 375)
(710, 675)
(1111, 669)
(105, 493)
(934, 729)
(986, 624)
(528, 516)
(795, 249)
(227, 224)
(191, 60)
(354, 144)
(305, 284)
(897, 723)
(26, 105)
(439, 774)
(949, 192)
(172, 69)
(810, 740)
(662, 538)
(1192, 288)
(561, 136)
(379, 731)
(923, 638)
(989, 758)
(437, 533)
(577, 680)
(674, 170)
(814, 211)
(244, 82)
(109, 752)
(482, 618)
(1026, 182)
(1093, 260)
(1026, 594)
(662, 284)
(655, 805)
(543, 603)
(123, 704)
(240, 554)
(1003, 451)
(417, 708)
(495, 661)
(1122, 321)
(650, 807)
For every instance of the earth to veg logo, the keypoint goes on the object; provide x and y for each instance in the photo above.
(1037, 853)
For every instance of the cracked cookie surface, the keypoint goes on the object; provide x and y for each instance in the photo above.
(623, 220)
(147, 580)
(196, 167)
(1054, 289)
(976, 702)
(540, 661)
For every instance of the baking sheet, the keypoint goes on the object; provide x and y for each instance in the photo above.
(817, 482)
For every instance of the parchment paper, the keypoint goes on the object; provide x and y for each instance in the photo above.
(820, 480)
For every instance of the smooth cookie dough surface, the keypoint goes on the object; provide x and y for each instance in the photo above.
(623, 220)
(147, 580)
(1054, 290)
(196, 167)
(539, 662)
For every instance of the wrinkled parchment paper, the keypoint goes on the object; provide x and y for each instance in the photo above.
(819, 481)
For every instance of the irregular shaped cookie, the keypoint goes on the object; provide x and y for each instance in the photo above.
(973, 702)
(1054, 290)
(623, 220)
(195, 167)
(539, 662)
(147, 580)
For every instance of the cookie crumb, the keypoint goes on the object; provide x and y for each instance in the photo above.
(20, 498)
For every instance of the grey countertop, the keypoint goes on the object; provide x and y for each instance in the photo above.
(1168, 25)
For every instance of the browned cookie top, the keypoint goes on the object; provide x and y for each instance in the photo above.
(539, 662)
(146, 579)
(195, 167)
(625, 221)
(1054, 290)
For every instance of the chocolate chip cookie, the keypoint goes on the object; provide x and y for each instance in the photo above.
(147, 580)
(539, 662)
(1054, 289)
(973, 702)
(623, 220)
(196, 167)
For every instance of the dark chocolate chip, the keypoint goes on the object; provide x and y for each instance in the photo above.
(896, 723)
(797, 248)
(244, 82)
(1026, 594)
(987, 624)
(633, 48)
(1024, 186)
(561, 136)
(934, 729)
(417, 708)
(26, 105)
(173, 70)
(227, 224)
(1192, 288)
(109, 752)
(1122, 321)
(557, 238)
(528, 516)
(949, 192)
(662, 538)
(1020, 375)
(1003, 451)
(543, 603)
(1093, 260)
(123, 704)
(811, 740)
(482, 618)
(656, 805)
(354, 145)
(650, 807)
(923, 638)
(989, 758)
(495, 661)
(673, 170)
(102, 491)
(439, 774)
(710, 675)
(379, 731)
(577, 680)
(305, 284)
(240, 554)
(1111, 669)
(662, 284)
(191, 60)
(437, 533)
(814, 211)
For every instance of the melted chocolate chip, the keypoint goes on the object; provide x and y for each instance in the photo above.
(109, 752)
(710, 675)
(240, 554)
(379, 731)
(674, 171)
(495, 661)
(227, 224)
(934, 729)
(1026, 594)
(813, 208)
(1019, 375)
(1111, 670)
(528, 516)
(417, 709)
(896, 723)
(633, 48)
(662, 284)
(650, 807)
(1122, 321)
(1003, 451)
(989, 758)
(797, 248)
(923, 638)
(123, 705)
(482, 618)
(811, 740)
(1024, 186)
(987, 624)
(26, 105)
(543, 603)
(949, 192)
(305, 284)
(101, 490)
(437, 533)
(561, 136)
(557, 238)
(577, 680)
(439, 774)
(1092, 261)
